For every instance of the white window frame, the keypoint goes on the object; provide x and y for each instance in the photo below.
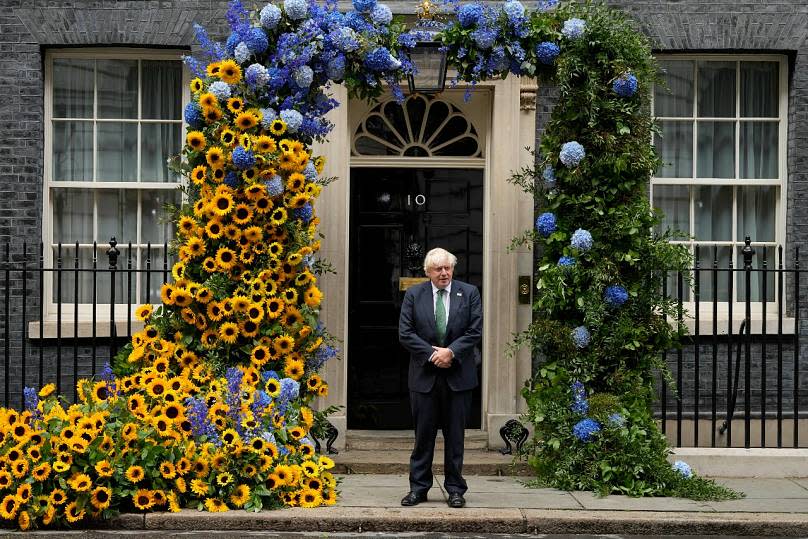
(85, 310)
(738, 307)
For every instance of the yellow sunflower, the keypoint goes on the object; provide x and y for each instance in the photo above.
(196, 140)
(277, 127)
(235, 105)
(225, 258)
(101, 498)
(215, 157)
(197, 85)
(228, 332)
(240, 495)
(222, 204)
(143, 499)
(228, 137)
(208, 100)
(246, 121)
(198, 174)
(73, 513)
(229, 71)
(215, 505)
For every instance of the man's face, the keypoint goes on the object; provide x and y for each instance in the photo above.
(440, 274)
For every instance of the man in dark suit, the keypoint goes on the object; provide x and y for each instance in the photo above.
(440, 324)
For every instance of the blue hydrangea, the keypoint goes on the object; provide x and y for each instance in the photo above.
(380, 59)
(484, 37)
(381, 14)
(615, 296)
(549, 177)
(257, 40)
(304, 213)
(572, 153)
(625, 85)
(321, 356)
(581, 337)
(232, 180)
(578, 390)
(514, 10)
(683, 468)
(296, 9)
(310, 172)
(566, 261)
(581, 240)
(617, 419)
(547, 52)
(230, 45)
(303, 76)
(243, 158)
(274, 186)
(270, 16)
(469, 14)
(546, 224)
(336, 68)
(579, 403)
(574, 28)
(290, 389)
(256, 76)
(242, 52)
(220, 89)
(193, 115)
(292, 118)
(547, 5)
(345, 39)
(363, 6)
(586, 429)
(268, 115)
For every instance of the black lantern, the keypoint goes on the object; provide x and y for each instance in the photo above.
(427, 57)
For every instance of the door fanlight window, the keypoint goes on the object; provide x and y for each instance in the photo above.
(418, 127)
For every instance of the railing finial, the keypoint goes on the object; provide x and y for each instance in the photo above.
(748, 252)
(113, 253)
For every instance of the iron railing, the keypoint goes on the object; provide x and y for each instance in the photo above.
(744, 373)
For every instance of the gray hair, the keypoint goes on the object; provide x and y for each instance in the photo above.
(438, 255)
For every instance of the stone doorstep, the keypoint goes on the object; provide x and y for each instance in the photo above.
(475, 462)
(738, 462)
(478, 520)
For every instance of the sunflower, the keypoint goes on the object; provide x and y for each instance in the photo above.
(254, 192)
(313, 296)
(263, 205)
(278, 217)
(235, 105)
(143, 499)
(228, 137)
(229, 71)
(215, 505)
(104, 469)
(249, 175)
(222, 204)
(100, 392)
(213, 69)
(196, 85)
(307, 416)
(212, 114)
(292, 315)
(298, 201)
(101, 498)
(47, 389)
(274, 308)
(295, 182)
(294, 369)
(214, 229)
(265, 144)
(288, 161)
(73, 513)
(196, 140)
(246, 121)
(199, 487)
(215, 157)
(198, 174)
(284, 344)
(24, 493)
(144, 312)
(273, 387)
(135, 473)
(245, 141)
(277, 127)
(240, 495)
(225, 478)
(168, 470)
(225, 258)
(228, 332)
(208, 100)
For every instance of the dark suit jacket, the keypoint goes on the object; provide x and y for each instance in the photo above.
(417, 332)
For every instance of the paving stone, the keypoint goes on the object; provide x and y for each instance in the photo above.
(626, 503)
(767, 488)
(783, 505)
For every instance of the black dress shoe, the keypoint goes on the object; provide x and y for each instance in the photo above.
(413, 498)
(456, 500)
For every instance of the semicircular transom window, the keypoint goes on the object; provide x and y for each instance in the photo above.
(418, 127)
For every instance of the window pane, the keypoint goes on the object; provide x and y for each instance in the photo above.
(156, 276)
(123, 290)
(675, 148)
(73, 88)
(760, 89)
(162, 89)
(155, 226)
(756, 277)
(158, 142)
(117, 89)
(117, 152)
(712, 213)
(679, 100)
(117, 215)
(716, 150)
(709, 255)
(72, 151)
(757, 213)
(759, 152)
(717, 89)
(83, 276)
(72, 215)
(674, 201)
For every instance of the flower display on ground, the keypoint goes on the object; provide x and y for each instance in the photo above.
(546, 224)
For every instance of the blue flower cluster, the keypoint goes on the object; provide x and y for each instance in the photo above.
(571, 154)
(546, 224)
(549, 177)
(566, 261)
(586, 429)
(579, 403)
(625, 85)
(615, 296)
(243, 158)
(573, 28)
(683, 468)
(581, 337)
(617, 420)
(581, 240)
(30, 399)
(200, 423)
(547, 52)
(321, 356)
(469, 14)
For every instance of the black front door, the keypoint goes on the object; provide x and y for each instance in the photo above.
(397, 215)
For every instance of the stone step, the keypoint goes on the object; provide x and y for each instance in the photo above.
(403, 440)
(475, 462)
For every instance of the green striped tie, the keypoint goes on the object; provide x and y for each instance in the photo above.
(440, 316)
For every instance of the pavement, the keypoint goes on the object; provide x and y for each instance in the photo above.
(369, 503)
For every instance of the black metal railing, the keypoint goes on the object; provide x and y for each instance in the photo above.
(95, 295)
(744, 373)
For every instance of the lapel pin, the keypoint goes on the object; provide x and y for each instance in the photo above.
(460, 294)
